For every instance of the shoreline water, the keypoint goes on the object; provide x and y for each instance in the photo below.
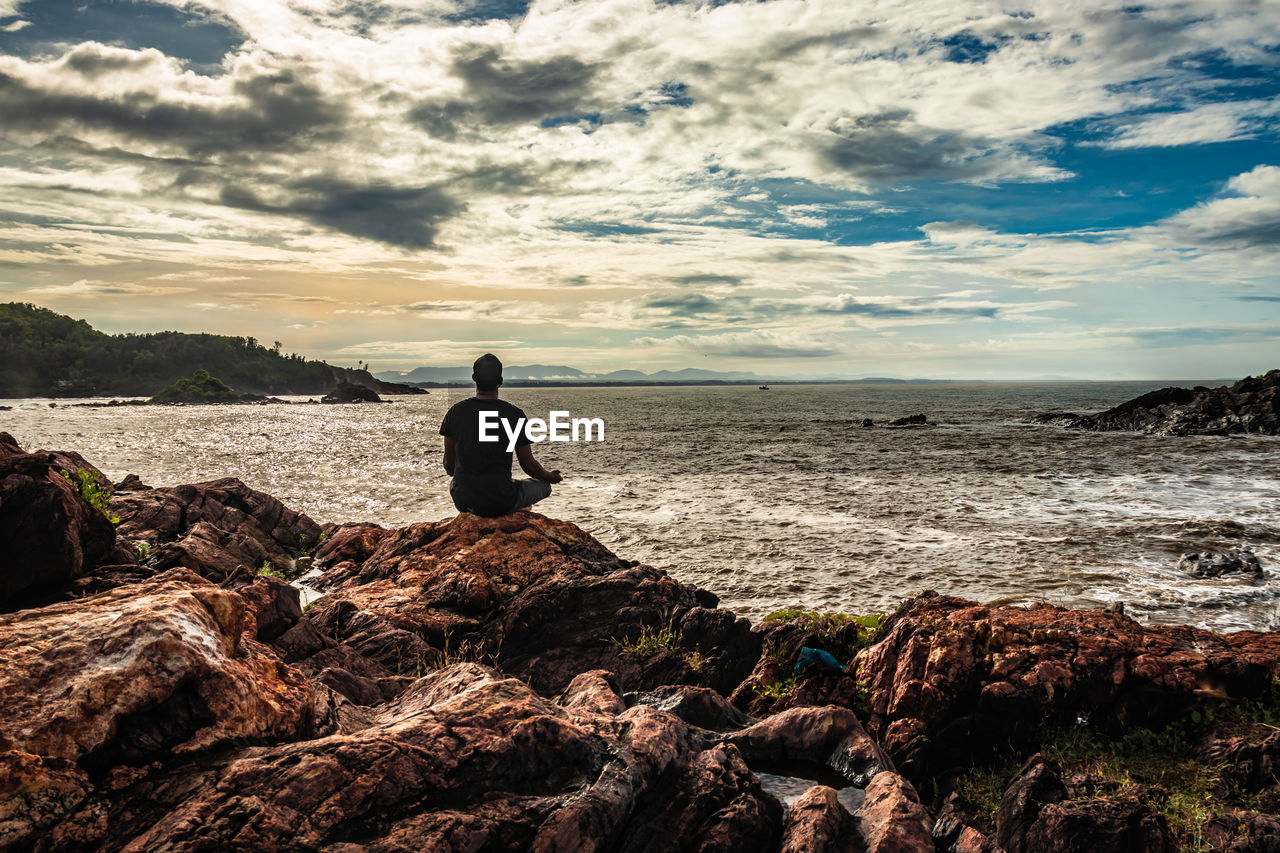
(981, 505)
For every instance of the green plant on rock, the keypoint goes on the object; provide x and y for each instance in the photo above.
(96, 495)
(651, 641)
(270, 571)
(840, 634)
(776, 690)
(142, 549)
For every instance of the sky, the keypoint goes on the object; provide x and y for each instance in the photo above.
(942, 188)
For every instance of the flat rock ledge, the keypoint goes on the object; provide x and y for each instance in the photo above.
(510, 684)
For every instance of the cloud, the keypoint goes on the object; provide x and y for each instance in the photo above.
(890, 308)
(15, 26)
(265, 109)
(1204, 123)
(499, 90)
(85, 287)
(1247, 218)
(432, 350)
(259, 296)
(404, 217)
(754, 344)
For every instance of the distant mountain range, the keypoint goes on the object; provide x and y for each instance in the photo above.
(563, 373)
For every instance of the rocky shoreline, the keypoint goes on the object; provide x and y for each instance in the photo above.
(511, 684)
(1250, 406)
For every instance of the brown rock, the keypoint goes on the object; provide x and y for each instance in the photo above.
(1086, 826)
(132, 483)
(97, 686)
(818, 823)
(829, 736)
(214, 527)
(1036, 785)
(462, 760)
(538, 596)
(51, 535)
(592, 691)
(891, 817)
(698, 706)
(951, 682)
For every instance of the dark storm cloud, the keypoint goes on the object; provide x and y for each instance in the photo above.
(278, 112)
(890, 146)
(405, 217)
(506, 92)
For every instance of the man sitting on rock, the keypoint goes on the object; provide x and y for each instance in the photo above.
(481, 470)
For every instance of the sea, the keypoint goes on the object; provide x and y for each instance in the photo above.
(780, 498)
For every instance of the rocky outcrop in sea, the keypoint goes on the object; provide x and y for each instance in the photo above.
(508, 684)
(1251, 405)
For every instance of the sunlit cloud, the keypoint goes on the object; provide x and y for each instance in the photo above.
(85, 287)
(808, 182)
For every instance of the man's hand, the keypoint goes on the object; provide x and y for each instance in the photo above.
(531, 467)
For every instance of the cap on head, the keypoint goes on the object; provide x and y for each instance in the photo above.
(487, 372)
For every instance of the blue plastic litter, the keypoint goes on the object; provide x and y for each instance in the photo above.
(816, 657)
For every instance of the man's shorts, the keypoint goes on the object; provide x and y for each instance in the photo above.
(529, 492)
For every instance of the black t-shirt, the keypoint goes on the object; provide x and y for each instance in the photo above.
(482, 469)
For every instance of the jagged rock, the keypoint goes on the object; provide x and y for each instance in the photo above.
(1248, 833)
(539, 596)
(950, 681)
(891, 818)
(698, 706)
(1246, 767)
(132, 483)
(594, 691)
(1210, 564)
(462, 760)
(1087, 826)
(818, 823)
(348, 392)
(215, 527)
(953, 835)
(276, 607)
(911, 420)
(51, 534)
(1251, 405)
(829, 736)
(1036, 786)
(96, 689)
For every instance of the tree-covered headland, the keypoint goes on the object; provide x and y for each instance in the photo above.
(46, 354)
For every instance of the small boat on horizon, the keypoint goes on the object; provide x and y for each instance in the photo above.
(764, 387)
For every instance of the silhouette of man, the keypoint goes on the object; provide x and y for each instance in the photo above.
(481, 470)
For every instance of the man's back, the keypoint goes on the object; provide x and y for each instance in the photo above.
(482, 474)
